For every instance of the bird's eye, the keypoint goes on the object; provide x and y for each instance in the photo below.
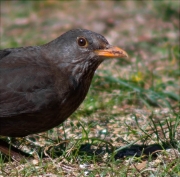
(82, 42)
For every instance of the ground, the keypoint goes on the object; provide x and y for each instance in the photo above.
(129, 123)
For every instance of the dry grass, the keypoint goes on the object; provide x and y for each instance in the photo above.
(128, 124)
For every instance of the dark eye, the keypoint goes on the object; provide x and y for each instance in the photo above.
(82, 41)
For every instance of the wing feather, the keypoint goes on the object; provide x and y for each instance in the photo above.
(26, 85)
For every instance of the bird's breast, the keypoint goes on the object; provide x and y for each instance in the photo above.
(72, 99)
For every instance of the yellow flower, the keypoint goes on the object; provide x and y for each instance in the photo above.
(137, 77)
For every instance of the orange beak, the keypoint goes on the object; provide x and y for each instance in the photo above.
(112, 52)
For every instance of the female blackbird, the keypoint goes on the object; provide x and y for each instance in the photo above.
(41, 86)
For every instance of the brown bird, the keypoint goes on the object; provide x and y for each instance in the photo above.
(41, 86)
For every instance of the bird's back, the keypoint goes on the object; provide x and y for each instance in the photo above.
(34, 95)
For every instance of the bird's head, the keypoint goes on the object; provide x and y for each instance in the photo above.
(80, 45)
(83, 50)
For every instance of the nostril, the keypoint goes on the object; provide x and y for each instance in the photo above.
(108, 46)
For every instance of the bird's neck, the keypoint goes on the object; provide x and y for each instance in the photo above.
(85, 72)
(79, 75)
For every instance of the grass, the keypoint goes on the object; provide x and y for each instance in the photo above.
(129, 123)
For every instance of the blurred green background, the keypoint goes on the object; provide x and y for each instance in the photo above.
(121, 91)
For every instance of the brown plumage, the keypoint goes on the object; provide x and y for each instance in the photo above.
(41, 86)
